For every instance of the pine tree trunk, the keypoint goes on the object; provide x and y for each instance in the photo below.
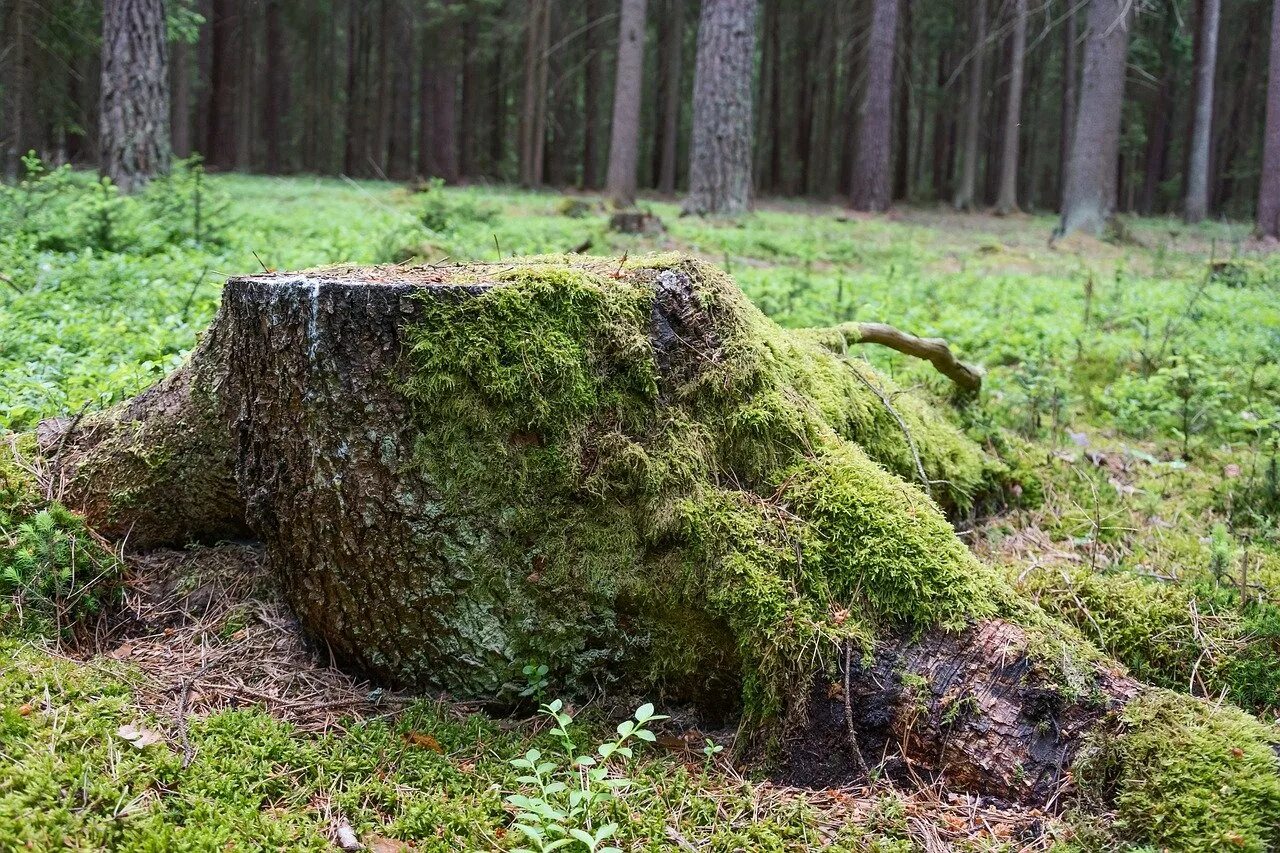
(400, 132)
(673, 51)
(533, 112)
(1090, 196)
(873, 162)
(353, 130)
(1007, 199)
(592, 85)
(134, 128)
(1160, 120)
(1269, 186)
(624, 131)
(1070, 96)
(966, 193)
(720, 150)
(1196, 205)
(902, 164)
(180, 105)
(437, 104)
(13, 62)
(276, 100)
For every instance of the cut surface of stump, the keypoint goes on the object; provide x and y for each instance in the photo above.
(623, 471)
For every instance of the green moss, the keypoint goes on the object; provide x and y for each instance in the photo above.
(1187, 775)
(51, 569)
(747, 507)
(1171, 634)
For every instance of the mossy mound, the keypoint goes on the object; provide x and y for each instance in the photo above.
(689, 493)
(1187, 775)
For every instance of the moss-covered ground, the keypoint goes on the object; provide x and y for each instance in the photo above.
(1134, 390)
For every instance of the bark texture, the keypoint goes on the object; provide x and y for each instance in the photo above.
(1196, 206)
(134, 125)
(1007, 199)
(1089, 198)
(1269, 189)
(720, 149)
(873, 159)
(624, 132)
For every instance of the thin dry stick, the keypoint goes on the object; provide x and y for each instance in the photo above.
(858, 762)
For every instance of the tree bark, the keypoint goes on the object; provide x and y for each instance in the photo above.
(720, 150)
(902, 164)
(1196, 205)
(180, 105)
(437, 113)
(673, 52)
(1070, 79)
(134, 128)
(400, 132)
(873, 160)
(966, 193)
(1089, 199)
(593, 76)
(624, 131)
(533, 112)
(1269, 186)
(276, 101)
(1007, 199)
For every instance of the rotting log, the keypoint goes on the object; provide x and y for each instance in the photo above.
(619, 469)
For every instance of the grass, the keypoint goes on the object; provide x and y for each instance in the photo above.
(1137, 386)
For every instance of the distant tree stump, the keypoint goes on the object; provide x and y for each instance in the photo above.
(636, 222)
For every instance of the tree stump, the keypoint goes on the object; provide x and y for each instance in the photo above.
(636, 222)
(621, 470)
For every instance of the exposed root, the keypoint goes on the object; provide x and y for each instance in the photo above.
(934, 350)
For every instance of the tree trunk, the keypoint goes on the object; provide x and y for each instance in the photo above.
(400, 131)
(1196, 206)
(276, 101)
(903, 143)
(134, 128)
(437, 92)
(720, 150)
(673, 52)
(1070, 77)
(1160, 118)
(1269, 186)
(618, 471)
(624, 131)
(966, 194)
(592, 85)
(1089, 200)
(180, 105)
(533, 112)
(1007, 199)
(873, 160)
(13, 54)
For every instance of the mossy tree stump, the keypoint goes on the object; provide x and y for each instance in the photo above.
(623, 471)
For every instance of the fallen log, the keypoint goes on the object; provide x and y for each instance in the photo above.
(621, 470)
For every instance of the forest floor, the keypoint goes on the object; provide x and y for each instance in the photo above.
(1137, 383)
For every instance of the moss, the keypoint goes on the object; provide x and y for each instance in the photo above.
(745, 505)
(51, 569)
(1162, 630)
(1186, 775)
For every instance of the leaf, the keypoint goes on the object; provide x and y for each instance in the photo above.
(644, 712)
(139, 737)
(424, 740)
(583, 836)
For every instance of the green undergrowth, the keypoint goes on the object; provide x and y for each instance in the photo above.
(430, 778)
(1195, 635)
(757, 483)
(1187, 775)
(52, 572)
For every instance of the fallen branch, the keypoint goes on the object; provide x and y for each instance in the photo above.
(934, 350)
